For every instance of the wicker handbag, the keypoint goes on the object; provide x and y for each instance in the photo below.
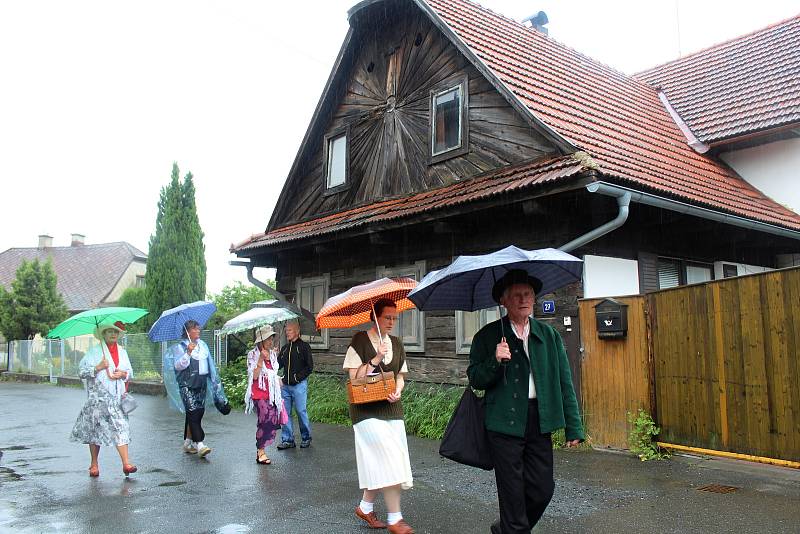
(370, 388)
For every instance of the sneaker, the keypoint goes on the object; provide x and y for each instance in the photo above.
(203, 451)
(286, 445)
(306, 443)
(189, 448)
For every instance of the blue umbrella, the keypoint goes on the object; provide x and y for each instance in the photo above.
(466, 284)
(170, 325)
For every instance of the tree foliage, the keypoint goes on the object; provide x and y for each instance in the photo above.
(33, 305)
(176, 265)
(134, 297)
(231, 301)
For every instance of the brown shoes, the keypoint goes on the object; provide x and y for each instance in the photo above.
(401, 527)
(370, 518)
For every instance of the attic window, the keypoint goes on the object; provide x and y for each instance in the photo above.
(336, 161)
(449, 122)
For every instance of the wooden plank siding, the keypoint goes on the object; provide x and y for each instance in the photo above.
(382, 99)
(726, 364)
(614, 374)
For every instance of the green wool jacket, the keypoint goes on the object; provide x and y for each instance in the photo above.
(507, 397)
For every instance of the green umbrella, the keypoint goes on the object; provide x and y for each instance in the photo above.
(86, 322)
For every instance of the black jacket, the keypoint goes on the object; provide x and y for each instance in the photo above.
(296, 361)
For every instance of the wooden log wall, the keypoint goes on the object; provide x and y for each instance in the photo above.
(727, 364)
(615, 376)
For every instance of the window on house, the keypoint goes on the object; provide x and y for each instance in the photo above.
(448, 122)
(311, 295)
(410, 326)
(729, 270)
(139, 282)
(674, 272)
(468, 324)
(336, 162)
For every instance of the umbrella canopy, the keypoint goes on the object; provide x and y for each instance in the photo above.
(86, 321)
(353, 307)
(306, 318)
(256, 317)
(170, 325)
(466, 284)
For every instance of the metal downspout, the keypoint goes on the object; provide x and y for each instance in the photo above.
(623, 204)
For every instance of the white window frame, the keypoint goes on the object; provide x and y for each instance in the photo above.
(462, 345)
(416, 342)
(327, 163)
(462, 87)
(321, 341)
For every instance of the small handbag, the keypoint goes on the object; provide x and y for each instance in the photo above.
(370, 388)
(465, 439)
(127, 403)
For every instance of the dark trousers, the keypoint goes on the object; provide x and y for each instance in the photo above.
(193, 425)
(523, 469)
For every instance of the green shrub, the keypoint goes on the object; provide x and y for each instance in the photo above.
(641, 439)
(234, 380)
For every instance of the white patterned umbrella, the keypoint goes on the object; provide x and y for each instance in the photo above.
(257, 317)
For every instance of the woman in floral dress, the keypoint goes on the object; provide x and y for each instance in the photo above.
(106, 370)
(264, 391)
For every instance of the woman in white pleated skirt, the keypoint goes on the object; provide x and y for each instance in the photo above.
(380, 432)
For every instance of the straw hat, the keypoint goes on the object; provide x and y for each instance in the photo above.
(264, 332)
(118, 326)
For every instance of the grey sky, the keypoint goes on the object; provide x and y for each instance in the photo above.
(98, 98)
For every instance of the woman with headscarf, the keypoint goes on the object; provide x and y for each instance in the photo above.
(264, 391)
(106, 370)
(194, 372)
(380, 432)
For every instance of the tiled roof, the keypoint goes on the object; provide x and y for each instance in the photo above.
(616, 118)
(86, 274)
(746, 85)
(484, 186)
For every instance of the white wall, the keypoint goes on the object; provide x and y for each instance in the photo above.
(128, 279)
(604, 276)
(774, 168)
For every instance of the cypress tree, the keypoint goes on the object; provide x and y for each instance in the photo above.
(176, 265)
(33, 306)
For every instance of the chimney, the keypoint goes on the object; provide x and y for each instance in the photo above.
(537, 22)
(45, 241)
(77, 240)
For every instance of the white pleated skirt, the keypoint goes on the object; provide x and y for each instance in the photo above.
(382, 454)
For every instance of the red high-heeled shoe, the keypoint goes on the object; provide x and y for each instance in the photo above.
(129, 468)
(94, 471)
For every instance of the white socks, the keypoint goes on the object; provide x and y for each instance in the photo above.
(365, 506)
(200, 445)
(187, 442)
(393, 517)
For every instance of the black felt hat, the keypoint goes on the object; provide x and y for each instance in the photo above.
(515, 276)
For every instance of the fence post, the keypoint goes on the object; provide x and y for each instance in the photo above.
(62, 356)
(29, 342)
(11, 346)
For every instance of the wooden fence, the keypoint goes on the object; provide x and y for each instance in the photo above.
(724, 366)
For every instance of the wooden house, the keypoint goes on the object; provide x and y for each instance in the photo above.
(447, 129)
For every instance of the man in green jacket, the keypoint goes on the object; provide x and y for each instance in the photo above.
(522, 365)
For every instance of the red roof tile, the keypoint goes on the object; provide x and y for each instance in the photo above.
(486, 185)
(745, 85)
(617, 119)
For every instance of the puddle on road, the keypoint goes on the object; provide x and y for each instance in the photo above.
(9, 474)
(15, 448)
(173, 483)
(233, 528)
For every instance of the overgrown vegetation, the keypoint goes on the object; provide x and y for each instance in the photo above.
(641, 439)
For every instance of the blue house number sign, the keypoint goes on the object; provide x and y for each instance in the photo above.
(549, 307)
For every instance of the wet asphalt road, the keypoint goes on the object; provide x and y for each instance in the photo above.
(44, 485)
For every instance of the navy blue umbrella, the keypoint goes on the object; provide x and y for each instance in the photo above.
(170, 325)
(466, 284)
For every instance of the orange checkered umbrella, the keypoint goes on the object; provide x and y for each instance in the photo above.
(353, 307)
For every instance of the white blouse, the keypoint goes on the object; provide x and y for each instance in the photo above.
(353, 361)
(101, 379)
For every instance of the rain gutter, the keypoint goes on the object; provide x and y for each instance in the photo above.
(623, 205)
(256, 282)
(681, 207)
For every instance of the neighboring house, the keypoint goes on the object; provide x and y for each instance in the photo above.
(448, 129)
(88, 276)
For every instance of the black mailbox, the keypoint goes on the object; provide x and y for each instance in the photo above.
(612, 319)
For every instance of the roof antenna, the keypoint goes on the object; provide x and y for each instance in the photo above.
(537, 22)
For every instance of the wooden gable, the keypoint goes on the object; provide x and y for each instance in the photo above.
(380, 95)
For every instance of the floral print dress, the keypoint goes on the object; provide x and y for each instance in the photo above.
(101, 421)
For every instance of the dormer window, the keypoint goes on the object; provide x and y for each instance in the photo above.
(449, 121)
(336, 161)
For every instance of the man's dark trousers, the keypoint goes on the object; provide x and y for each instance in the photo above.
(524, 471)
